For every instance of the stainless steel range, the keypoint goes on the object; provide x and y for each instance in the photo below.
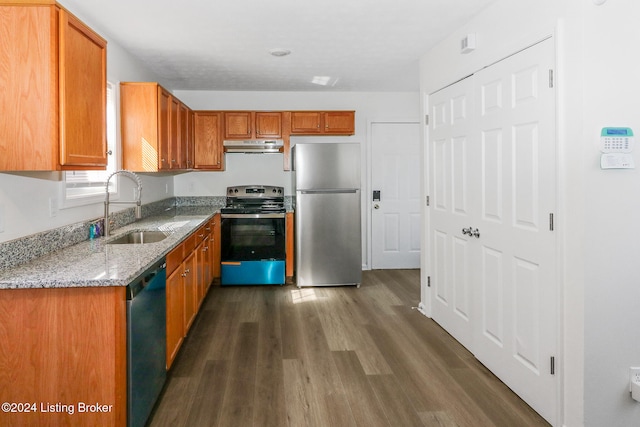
(253, 236)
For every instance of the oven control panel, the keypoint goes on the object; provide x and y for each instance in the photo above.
(250, 191)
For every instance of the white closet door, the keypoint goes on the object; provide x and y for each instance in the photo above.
(493, 187)
(515, 286)
(454, 193)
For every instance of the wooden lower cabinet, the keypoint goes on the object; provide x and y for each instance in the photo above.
(64, 346)
(175, 315)
(190, 269)
(215, 244)
(181, 297)
(190, 291)
(289, 248)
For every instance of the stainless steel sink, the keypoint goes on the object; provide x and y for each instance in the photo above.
(138, 237)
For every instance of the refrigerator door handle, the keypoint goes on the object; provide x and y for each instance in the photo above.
(349, 191)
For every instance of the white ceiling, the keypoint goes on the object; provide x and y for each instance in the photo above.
(360, 45)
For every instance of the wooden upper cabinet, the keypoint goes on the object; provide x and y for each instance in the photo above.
(208, 149)
(238, 125)
(252, 125)
(174, 134)
(306, 122)
(158, 119)
(268, 124)
(339, 122)
(322, 122)
(155, 128)
(53, 102)
(190, 138)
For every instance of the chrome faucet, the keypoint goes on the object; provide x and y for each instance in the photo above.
(138, 202)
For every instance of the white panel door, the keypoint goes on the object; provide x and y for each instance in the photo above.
(396, 217)
(515, 286)
(492, 253)
(454, 195)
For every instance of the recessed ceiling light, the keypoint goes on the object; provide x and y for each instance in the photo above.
(279, 52)
(324, 80)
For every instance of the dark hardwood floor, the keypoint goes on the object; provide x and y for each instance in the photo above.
(282, 356)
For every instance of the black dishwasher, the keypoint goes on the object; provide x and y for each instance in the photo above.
(146, 342)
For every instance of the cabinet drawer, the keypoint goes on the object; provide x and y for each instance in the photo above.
(174, 258)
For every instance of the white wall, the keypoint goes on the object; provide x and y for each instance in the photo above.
(598, 209)
(25, 197)
(612, 208)
(268, 168)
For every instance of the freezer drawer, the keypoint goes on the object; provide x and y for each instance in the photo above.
(328, 238)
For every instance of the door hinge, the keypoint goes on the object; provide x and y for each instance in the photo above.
(426, 119)
(551, 225)
(553, 365)
(427, 200)
(551, 78)
(428, 281)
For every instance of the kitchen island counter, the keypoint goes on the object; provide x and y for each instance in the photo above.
(96, 263)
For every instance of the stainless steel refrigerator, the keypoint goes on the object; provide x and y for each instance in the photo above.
(327, 214)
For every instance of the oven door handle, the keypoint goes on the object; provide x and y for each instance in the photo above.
(254, 216)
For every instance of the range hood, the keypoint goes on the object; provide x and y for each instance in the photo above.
(253, 145)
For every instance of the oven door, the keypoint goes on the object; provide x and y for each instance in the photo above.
(253, 237)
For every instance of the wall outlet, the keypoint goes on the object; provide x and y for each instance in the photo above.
(1, 218)
(53, 207)
(634, 376)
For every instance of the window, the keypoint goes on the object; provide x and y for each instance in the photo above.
(84, 187)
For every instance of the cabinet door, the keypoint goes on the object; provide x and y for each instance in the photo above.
(190, 291)
(83, 94)
(208, 140)
(175, 314)
(190, 139)
(215, 244)
(164, 125)
(268, 125)
(183, 137)
(305, 122)
(289, 239)
(29, 102)
(339, 122)
(174, 133)
(238, 125)
(203, 268)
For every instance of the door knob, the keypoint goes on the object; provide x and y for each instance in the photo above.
(466, 231)
(376, 206)
(475, 233)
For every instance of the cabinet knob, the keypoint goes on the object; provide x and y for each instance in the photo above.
(109, 152)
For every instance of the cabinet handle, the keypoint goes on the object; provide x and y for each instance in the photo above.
(109, 152)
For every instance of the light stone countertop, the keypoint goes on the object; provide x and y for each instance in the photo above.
(96, 263)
